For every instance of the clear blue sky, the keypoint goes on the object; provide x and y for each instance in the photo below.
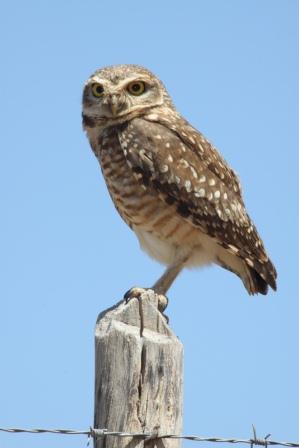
(232, 69)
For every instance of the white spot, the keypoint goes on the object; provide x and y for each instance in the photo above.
(192, 140)
(202, 179)
(152, 117)
(219, 213)
(217, 194)
(177, 179)
(227, 211)
(170, 158)
(183, 147)
(200, 193)
(225, 196)
(249, 262)
(158, 137)
(184, 163)
(200, 148)
(210, 196)
(212, 182)
(188, 186)
(167, 145)
(194, 173)
(233, 248)
(164, 169)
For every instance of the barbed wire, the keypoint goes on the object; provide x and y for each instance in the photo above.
(97, 433)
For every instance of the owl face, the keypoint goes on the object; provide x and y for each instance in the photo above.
(118, 91)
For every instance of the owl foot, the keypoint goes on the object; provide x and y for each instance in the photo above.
(136, 293)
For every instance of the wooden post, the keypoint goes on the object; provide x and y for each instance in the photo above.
(138, 375)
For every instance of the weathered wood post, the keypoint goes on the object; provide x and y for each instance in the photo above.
(138, 375)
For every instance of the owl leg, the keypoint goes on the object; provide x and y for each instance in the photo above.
(164, 283)
(161, 286)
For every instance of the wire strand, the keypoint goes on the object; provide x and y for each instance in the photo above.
(97, 433)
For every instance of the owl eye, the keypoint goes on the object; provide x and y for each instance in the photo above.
(97, 89)
(136, 88)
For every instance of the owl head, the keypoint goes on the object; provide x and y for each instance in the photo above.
(121, 91)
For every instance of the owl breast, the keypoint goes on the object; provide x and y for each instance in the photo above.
(162, 233)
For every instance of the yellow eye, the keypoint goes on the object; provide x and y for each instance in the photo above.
(136, 88)
(97, 89)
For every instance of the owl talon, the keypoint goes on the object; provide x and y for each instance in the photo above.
(162, 304)
(136, 293)
(165, 317)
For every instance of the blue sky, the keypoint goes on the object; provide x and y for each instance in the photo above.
(232, 69)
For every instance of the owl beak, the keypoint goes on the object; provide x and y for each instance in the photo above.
(115, 104)
(114, 109)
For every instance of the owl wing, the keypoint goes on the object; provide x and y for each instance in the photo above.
(187, 171)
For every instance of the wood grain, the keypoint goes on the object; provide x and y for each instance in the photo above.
(138, 377)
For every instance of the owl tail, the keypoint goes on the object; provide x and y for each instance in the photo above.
(260, 277)
(256, 278)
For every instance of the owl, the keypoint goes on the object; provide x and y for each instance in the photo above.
(168, 182)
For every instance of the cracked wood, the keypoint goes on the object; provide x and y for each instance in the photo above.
(138, 379)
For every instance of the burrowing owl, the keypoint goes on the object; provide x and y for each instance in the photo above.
(168, 183)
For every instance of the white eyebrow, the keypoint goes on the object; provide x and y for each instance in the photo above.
(97, 78)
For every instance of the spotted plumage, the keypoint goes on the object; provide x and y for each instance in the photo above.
(169, 184)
